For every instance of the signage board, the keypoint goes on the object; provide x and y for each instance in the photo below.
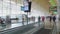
(22, 8)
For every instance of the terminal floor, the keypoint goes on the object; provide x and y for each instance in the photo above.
(50, 25)
(43, 31)
(47, 26)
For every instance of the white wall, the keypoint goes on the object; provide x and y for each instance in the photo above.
(37, 10)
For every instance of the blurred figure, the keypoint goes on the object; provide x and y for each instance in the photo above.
(50, 18)
(59, 18)
(8, 20)
(43, 18)
(1, 21)
(54, 19)
(23, 21)
(39, 19)
(34, 19)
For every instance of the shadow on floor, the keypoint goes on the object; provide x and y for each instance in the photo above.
(43, 31)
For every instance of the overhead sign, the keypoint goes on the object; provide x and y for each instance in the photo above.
(26, 8)
(27, 5)
(22, 8)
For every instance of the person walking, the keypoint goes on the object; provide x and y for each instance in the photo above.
(59, 18)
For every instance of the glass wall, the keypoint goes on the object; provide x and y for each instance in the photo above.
(8, 7)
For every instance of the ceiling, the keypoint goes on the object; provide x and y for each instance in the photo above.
(43, 3)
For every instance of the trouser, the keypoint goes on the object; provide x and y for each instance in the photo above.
(50, 20)
(54, 21)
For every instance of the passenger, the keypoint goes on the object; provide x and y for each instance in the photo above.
(43, 18)
(50, 18)
(39, 19)
(22, 20)
(54, 19)
(59, 18)
(8, 20)
(34, 19)
(1, 21)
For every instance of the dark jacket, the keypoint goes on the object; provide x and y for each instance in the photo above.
(54, 18)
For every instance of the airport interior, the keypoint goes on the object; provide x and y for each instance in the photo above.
(29, 16)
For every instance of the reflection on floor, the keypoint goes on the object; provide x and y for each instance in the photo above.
(9, 26)
(23, 29)
(47, 25)
(43, 31)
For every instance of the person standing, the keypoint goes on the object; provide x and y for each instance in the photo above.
(59, 18)
(8, 20)
(1, 21)
(50, 18)
(43, 18)
(34, 19)
(39, 19)
(54, 19)
(23, 21)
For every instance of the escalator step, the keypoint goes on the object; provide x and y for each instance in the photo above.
(43, 31)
